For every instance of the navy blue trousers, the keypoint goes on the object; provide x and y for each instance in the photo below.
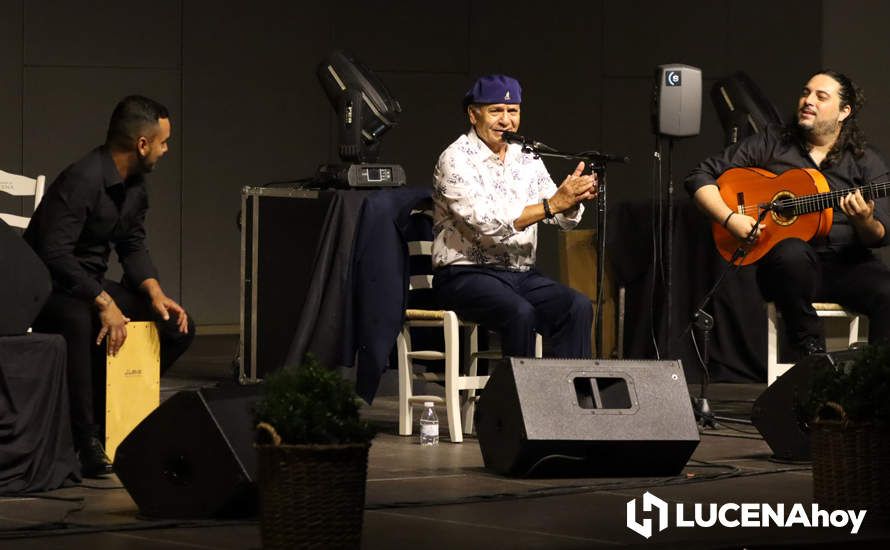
(517, 305)
(794, 274)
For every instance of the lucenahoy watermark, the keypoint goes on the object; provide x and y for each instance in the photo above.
(748, 514)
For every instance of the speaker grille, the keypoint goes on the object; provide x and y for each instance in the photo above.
(606, 417)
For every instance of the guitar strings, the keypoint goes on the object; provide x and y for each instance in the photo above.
(821, 201)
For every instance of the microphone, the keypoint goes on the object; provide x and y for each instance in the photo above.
(607, 157)
(513, 137)
(537, 146)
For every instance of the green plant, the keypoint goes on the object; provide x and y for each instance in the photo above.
(309, 404)
(861, 386)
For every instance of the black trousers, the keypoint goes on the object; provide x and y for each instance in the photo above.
(78, 321)
(794, 274)
(516, 305)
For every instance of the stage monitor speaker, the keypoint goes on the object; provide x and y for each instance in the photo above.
(25, 284)
(193, 457)
(571, 417)
(676, 100)
(775, 413)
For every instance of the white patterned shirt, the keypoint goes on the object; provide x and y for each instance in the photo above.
(477, 198)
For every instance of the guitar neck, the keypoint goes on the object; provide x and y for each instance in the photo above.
(821, 201)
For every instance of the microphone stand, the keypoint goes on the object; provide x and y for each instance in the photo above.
(704, 321)
(596, 161)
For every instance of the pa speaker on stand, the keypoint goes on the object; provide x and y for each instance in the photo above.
(676, 113)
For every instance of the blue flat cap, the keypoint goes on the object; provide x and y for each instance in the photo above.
(494, 88)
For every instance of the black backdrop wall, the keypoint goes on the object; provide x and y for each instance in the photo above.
(239, 79)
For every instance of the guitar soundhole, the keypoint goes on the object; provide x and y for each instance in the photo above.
(780, 217)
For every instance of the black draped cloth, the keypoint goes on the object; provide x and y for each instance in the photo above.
(36, 448)
(355, 301)
(737, 345)
(323, 323)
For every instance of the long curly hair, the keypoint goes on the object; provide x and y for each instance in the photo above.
(851, 137)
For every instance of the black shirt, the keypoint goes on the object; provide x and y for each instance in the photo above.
(768, 150)
(86, 210)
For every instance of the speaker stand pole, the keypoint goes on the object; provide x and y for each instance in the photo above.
(669, 238)
(599, 169)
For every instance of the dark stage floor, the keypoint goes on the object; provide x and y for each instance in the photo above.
(442, 497)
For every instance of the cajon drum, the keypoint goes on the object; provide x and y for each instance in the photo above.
(132, 383)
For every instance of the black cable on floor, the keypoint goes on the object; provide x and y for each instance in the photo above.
(64, 528)
(734, 472)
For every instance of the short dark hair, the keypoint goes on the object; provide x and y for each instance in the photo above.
(134, 116)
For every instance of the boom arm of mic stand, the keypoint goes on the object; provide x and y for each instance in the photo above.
(705, 322)
(739, 253)
(539, 149)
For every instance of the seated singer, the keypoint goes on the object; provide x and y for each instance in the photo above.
(97, 202)
(489, 197)
(823, 135)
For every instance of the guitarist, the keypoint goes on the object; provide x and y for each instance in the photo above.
(840, 267)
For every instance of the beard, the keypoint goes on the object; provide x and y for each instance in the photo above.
(144, 165)
(820, 128)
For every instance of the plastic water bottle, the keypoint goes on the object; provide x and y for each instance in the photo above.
(429, 426)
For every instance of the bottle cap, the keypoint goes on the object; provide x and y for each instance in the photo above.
(427, 403)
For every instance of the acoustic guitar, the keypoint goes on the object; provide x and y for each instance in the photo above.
(799, 204)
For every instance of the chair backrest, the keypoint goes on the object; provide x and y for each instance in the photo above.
(420, 262)
(21, 186)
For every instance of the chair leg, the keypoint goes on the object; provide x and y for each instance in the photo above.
(406, 391)
(539, 346)
(469, 408)
(854, 331)
(772, 346)
(451, 331)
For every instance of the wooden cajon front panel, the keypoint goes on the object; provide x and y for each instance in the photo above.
(132, 383)
(577, 269)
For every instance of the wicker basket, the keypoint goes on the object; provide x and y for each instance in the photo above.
(851, 465)
(312, 496)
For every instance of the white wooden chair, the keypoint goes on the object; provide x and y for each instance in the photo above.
(21, 186)
(774, 368)
(460, 417)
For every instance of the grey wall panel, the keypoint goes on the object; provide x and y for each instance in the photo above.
(431, 120)
(254, 112)
(556, 55)
(105, 33)
(638, 35)
(404, 35)
(626, 129)
(856, 42)
(11, 90)
(779, 61)
(60, 130)
(11, 97)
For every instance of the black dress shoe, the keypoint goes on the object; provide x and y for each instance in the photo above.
(814, 347)
(93, 460)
